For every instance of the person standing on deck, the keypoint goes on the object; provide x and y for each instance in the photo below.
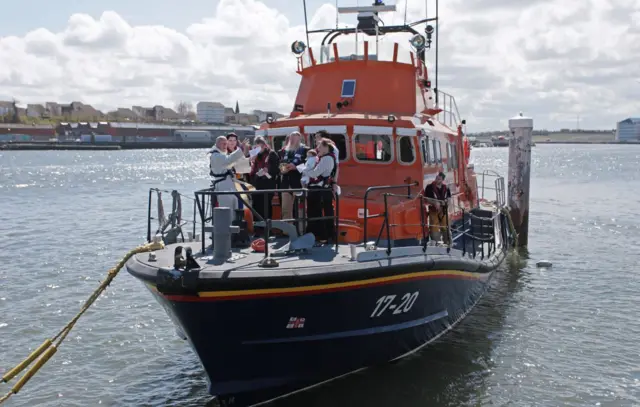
(292, 154)
(264, 175)
(438, 195)
(320, 201)
(220, 168)
(232, 145)
(319, 136)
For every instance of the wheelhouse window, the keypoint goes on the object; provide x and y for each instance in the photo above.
(277, 142)
(406, 150)
(373, 147)
(453, 157)
(348, 88)
(425, 149)
(340, 141)
(437, 153)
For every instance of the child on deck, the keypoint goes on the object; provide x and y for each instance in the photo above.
(312, 159)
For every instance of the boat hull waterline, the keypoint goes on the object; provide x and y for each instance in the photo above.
(257, 345)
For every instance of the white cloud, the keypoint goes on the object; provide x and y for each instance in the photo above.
(553, 59)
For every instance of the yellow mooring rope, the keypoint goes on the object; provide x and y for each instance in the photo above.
(49, 348)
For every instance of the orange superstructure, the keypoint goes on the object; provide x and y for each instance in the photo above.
(389, 124)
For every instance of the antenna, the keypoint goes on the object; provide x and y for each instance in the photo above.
(306, 25)
(405, 11)
(437, 46)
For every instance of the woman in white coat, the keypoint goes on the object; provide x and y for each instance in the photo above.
(220, 169)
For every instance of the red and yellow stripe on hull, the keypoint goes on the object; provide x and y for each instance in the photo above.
(323, 288)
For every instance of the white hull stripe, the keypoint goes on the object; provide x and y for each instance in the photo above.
(403, 131)
(377, 130)
(328, 129)
(281, 131)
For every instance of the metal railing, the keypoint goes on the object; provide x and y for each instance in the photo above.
(206, 199)
(499, 194)
(473, 229)
(450, 114)
(385, 214)
(467, 231)
(175, 220)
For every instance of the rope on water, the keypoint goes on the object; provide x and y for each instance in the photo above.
(49, 347)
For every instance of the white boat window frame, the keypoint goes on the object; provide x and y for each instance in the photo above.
(391, 146)
(272, 141)
(373, 130)
(404, 131)
(282, 131)
(399, 150)
(425, 149)
(437, 151)
(453, 156)
(332, 130)
(342, 129)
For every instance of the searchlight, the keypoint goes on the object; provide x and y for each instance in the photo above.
(298, 47)
(417, 41)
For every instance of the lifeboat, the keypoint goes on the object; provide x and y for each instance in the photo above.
(275, 316)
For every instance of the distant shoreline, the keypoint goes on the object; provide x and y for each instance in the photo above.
(587, 142)
(44, 146)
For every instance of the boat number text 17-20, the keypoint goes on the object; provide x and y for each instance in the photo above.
(385, 303)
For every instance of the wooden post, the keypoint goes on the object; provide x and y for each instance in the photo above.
(519, 177)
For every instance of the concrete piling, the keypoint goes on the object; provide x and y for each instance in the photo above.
(519, 175)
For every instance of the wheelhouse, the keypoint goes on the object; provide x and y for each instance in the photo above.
(376, 101)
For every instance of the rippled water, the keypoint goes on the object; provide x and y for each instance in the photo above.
(567, 336)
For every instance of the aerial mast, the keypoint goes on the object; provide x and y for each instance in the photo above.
(306, 24)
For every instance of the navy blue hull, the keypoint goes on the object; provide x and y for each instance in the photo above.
(259, 348)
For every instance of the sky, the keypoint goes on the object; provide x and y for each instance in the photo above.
(565, 63)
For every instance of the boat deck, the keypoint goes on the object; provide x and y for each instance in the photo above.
(245, 263)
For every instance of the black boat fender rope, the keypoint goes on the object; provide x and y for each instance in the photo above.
(50, 346)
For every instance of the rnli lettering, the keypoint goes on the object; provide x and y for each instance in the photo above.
(386, 303)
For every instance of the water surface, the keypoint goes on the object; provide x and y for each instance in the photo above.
(567, 336)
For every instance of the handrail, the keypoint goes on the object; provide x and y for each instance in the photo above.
(380, 188)
(465, 231)
(175, 218)
(498, 187)
(450, 117)
(211, 193)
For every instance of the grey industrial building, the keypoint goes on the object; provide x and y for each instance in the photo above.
(628, 129)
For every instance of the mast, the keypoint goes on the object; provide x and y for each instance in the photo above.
(306, 25)
(437, 46)
(369, 25)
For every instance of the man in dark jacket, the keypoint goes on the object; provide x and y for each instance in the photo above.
(438, 195)
(264, 174)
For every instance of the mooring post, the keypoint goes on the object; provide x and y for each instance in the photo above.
(520, 175)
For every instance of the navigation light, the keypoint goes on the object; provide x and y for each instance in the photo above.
(298, 47)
